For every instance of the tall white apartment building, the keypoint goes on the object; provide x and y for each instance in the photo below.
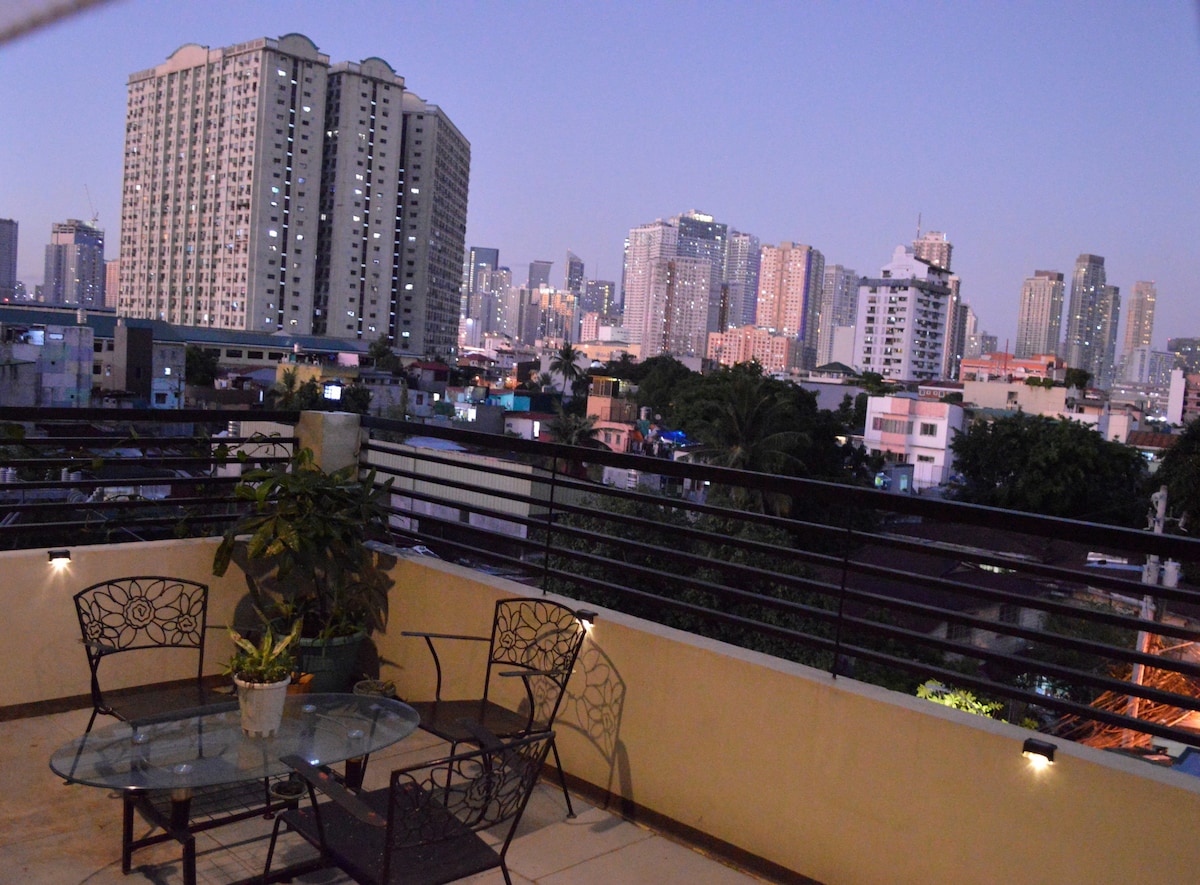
(900, 331)
(1139, 322)
(266, 190)
(1039, 317)
(644, 245)
(676, 319)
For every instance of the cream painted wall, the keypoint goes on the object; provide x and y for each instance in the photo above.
(840, 781)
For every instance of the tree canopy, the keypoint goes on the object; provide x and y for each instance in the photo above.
(1180, 473)
(1050, 466)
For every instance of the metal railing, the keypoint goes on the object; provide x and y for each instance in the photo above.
(96, 476)
(1047, 621)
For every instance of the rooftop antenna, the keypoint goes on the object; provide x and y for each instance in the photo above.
(918, 225)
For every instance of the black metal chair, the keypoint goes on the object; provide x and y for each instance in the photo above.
(145, 612)
(423, 828)
(534, 639)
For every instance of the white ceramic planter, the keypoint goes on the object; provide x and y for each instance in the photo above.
(261, 705)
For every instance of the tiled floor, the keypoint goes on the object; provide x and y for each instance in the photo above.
(55, 834)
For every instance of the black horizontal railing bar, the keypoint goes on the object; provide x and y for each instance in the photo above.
(1177, 546)
(462, 484)
(37, 485)
(42, 415)
(1040, 603)
(146, 442)
(126, 502)
(93, 461)
(895, 632)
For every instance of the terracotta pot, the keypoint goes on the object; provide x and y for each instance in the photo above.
(261, 704)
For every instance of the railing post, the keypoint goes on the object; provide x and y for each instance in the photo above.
(549, 524)
(334, 438)
(837, 629)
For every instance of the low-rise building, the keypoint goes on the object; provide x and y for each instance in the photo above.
(907, 429)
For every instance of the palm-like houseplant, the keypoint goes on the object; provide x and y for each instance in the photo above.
(304, 548)
(261, 673)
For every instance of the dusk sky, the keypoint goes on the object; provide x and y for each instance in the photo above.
(1029, 132)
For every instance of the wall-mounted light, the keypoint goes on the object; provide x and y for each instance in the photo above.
(59, 557)
(1038, 752)
(586, 617)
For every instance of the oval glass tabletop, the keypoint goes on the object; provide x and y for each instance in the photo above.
(197, 748)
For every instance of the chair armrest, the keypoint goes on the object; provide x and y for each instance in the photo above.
(342, 797)
(524, 673)
(445, 636)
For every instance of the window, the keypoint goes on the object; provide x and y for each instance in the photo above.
(928, 429)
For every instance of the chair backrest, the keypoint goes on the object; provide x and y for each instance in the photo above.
(442, 800)
(540, 636)
(143, 611)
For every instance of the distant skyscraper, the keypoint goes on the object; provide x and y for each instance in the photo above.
(8, 259)
(1139, 320)
(1092, 320)
(112, 282)
(539, 274)
(644, 245)
(954, 343)
(1039, 317)
(599, 296)
(901, 327)
(935, 248)
(676, 319)
(574, 278)
(478, 265)
(700, 236)
(839, 304)
(298, 207)
(74, 265)
(742, 252)
(790, 280)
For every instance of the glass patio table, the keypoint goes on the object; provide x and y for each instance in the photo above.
(186, 751)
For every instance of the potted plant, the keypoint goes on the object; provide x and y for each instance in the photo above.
(305, 548)
(261, 673)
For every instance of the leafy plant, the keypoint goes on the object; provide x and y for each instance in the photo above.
(268, 661)
(303, 546)
(958, 699)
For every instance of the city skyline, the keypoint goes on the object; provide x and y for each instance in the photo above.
(1004, 131)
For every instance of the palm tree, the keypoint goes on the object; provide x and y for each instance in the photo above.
(572, 429)
(565, 366)
(746, 428)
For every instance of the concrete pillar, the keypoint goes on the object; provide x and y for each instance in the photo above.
(332, 436)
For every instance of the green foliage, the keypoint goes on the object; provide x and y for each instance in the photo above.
(200, 366)
(1054, 467)
(306, 556)
(1180, 473)
(565, 366)
(958, 699)
(1078, 379)
(658, 380)
(269, 661)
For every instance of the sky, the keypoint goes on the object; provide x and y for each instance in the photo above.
(1028, 132)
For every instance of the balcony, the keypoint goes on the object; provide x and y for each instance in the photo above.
(802, 762)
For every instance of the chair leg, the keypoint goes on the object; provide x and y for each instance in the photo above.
(126, 833)
(562, 778)
(91, 721)
(271, 848)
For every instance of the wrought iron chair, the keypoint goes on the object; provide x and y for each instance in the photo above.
(145, 612)
(423, 828)
(533, 639)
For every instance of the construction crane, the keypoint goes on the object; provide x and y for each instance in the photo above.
(95, 214)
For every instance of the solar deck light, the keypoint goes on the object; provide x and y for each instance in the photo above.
(587, 616)
(1038, 752)
(59, 557)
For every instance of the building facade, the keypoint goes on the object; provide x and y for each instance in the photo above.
(777, 354)
(1139, 318)
(900, 330)
(934, 247)
(908, 430)
(839, 306)
(74, 274)
(8, 259)
(1092, 317)
(266, 190)
(790, 282)
(1039, 317)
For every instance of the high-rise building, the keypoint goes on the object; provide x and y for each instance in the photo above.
(701, 236)
(599, 296)
(478, 264)
(539, 274)
(900, 331)
(1139, 320)
(265, 189)
(112, 282)
(574, 278)
(934, 247)
(1092, 317)
(676, 320)
(1039, 317)
(643, 246)
(742, 252)
(790, 280)
(8, 259)
(74, 265)
(954, 343)
(839, 304)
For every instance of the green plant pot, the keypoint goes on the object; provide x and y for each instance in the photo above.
(331, 661)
